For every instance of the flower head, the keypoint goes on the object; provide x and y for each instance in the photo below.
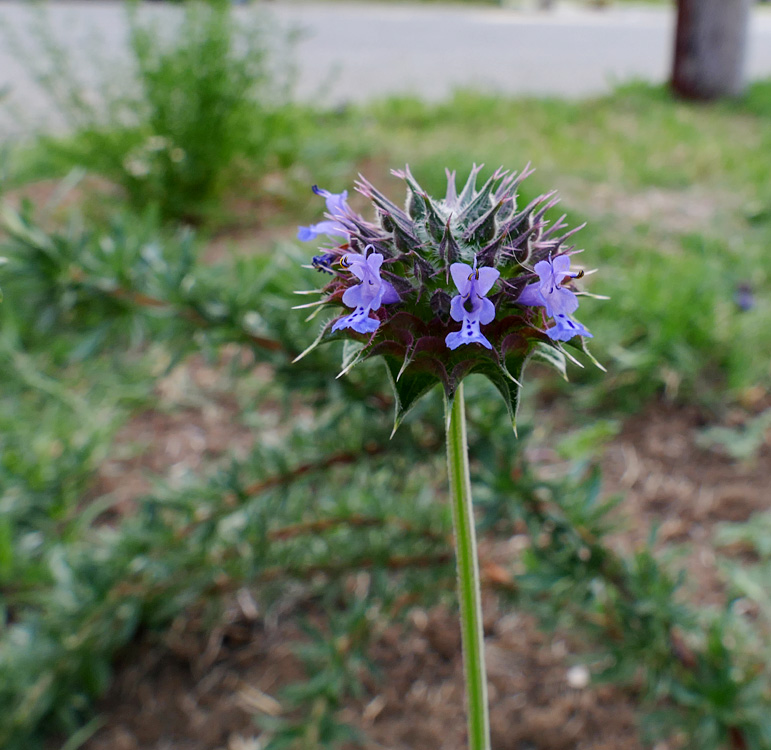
(472, 258)
(337, 208)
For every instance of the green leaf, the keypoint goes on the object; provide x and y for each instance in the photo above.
(581, 346)
(416, 208)
(353, 353)
(408, 389)
(479, 206)
(434, 222)
(20, 230)
(471, 183)
(483, 229)
(552, 356)
(325, 335)
(6, 549)
(406, 175)
(508, 382)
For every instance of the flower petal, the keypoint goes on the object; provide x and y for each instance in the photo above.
(531, 295)
(460, 273)
(357, 265)
(390, 295)
(566, 328)
(456, 308)
(323, 227)
(468, 334)
(486, 312)
(374, 261)
(359, 320)
(336, 202)
(545, 272)
(561, 267)
(561, 302)
(352, 296)
(487, 277)
(376, 298)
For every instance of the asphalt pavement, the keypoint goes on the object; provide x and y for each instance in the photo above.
(361, 51)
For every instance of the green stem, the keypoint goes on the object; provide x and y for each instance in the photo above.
(468, 576)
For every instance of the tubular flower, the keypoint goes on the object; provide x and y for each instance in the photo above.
(565, 328)
(337, 207)
(558, 301)
(471, 257)
(369, 295)
(471, 306)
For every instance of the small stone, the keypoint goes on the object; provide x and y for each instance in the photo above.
(578, 677)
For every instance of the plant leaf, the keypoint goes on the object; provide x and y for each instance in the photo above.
(408, 389)
(552, 356)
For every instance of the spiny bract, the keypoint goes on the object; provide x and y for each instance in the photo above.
(473, 258)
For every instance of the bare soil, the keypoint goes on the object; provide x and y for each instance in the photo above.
(203, 689)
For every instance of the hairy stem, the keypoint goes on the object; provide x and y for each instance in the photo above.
(468, 576)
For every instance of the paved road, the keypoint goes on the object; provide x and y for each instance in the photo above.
(362, 51)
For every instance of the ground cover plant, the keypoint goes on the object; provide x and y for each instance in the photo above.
(186, 113)
(181, 518)
(288, 503)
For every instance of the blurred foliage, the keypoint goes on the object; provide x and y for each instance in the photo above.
(749, 580)
(134, 281)
(203, 103)
(318, 499)
(743, 443)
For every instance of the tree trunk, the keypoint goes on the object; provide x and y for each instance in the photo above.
(710, 46)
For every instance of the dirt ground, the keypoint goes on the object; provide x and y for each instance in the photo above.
(201, 690)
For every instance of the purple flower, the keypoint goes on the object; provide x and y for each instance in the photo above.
(337, 207)
(471, 307)
(559, 301)
(743, 297)
(565, 328)
(369, 295)
(549, 291)
(324, 262)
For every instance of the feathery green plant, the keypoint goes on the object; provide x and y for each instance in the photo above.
(203, 102)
